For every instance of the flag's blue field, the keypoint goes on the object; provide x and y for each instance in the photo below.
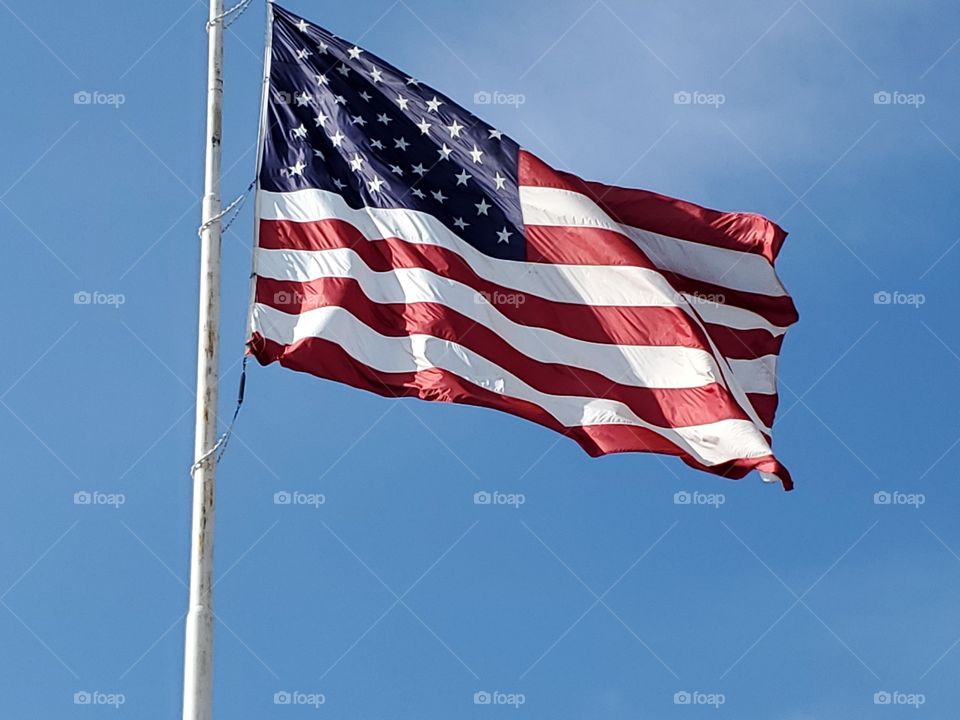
(396, 559)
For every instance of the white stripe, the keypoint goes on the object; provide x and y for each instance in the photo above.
(639, 366)
(710, 444)
(732, 269)
(579, 284)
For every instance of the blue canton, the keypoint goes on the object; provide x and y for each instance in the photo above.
(343, 120)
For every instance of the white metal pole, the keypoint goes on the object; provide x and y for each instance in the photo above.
(198, 645)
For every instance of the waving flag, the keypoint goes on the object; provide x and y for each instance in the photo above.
(408, 248)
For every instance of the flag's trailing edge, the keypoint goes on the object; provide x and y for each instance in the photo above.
(406, 247)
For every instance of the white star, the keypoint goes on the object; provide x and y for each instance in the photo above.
(375, 184)
(358, 120)
(365, 95)
(297, 169)
(439, 196)
(482, 207)
(317, 153)
(434, 105)
(376, 144)
(384, 118)
(303, 98)
(424, 126)
(463, 177)
(455, 129)
(300, 132)
(397, 170)
(340, 185)
(476, 154)
(303, 54)
(499, 180)
(321, 79)
(418, 192)
(338, 138)
(412, 81)
(401, 143)
(302, 26)
(376, 75)
(340, 100)
(504, 236)
(356, 163)
(354, 52)
(322, 47)
(402, 101)
(343, 70)
(495, 134)
(321, 119)
(460, 223)
(419, 169)
(445, 152)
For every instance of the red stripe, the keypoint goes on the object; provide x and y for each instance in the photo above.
(658, 326)
(664, 215)
(560, 245)
(670, 407)
(766, 407)
(328, 360)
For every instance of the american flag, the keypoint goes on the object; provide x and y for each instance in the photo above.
(406, 247)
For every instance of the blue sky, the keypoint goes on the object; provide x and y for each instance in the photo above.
(398, 596)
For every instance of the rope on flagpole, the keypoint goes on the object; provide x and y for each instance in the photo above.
(221, 444)
(230, 15)
(234, 207)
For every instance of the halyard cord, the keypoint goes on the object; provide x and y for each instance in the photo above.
(235, 206)
(236, 11)
(221, 444)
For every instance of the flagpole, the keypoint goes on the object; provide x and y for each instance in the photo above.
(198, 643)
